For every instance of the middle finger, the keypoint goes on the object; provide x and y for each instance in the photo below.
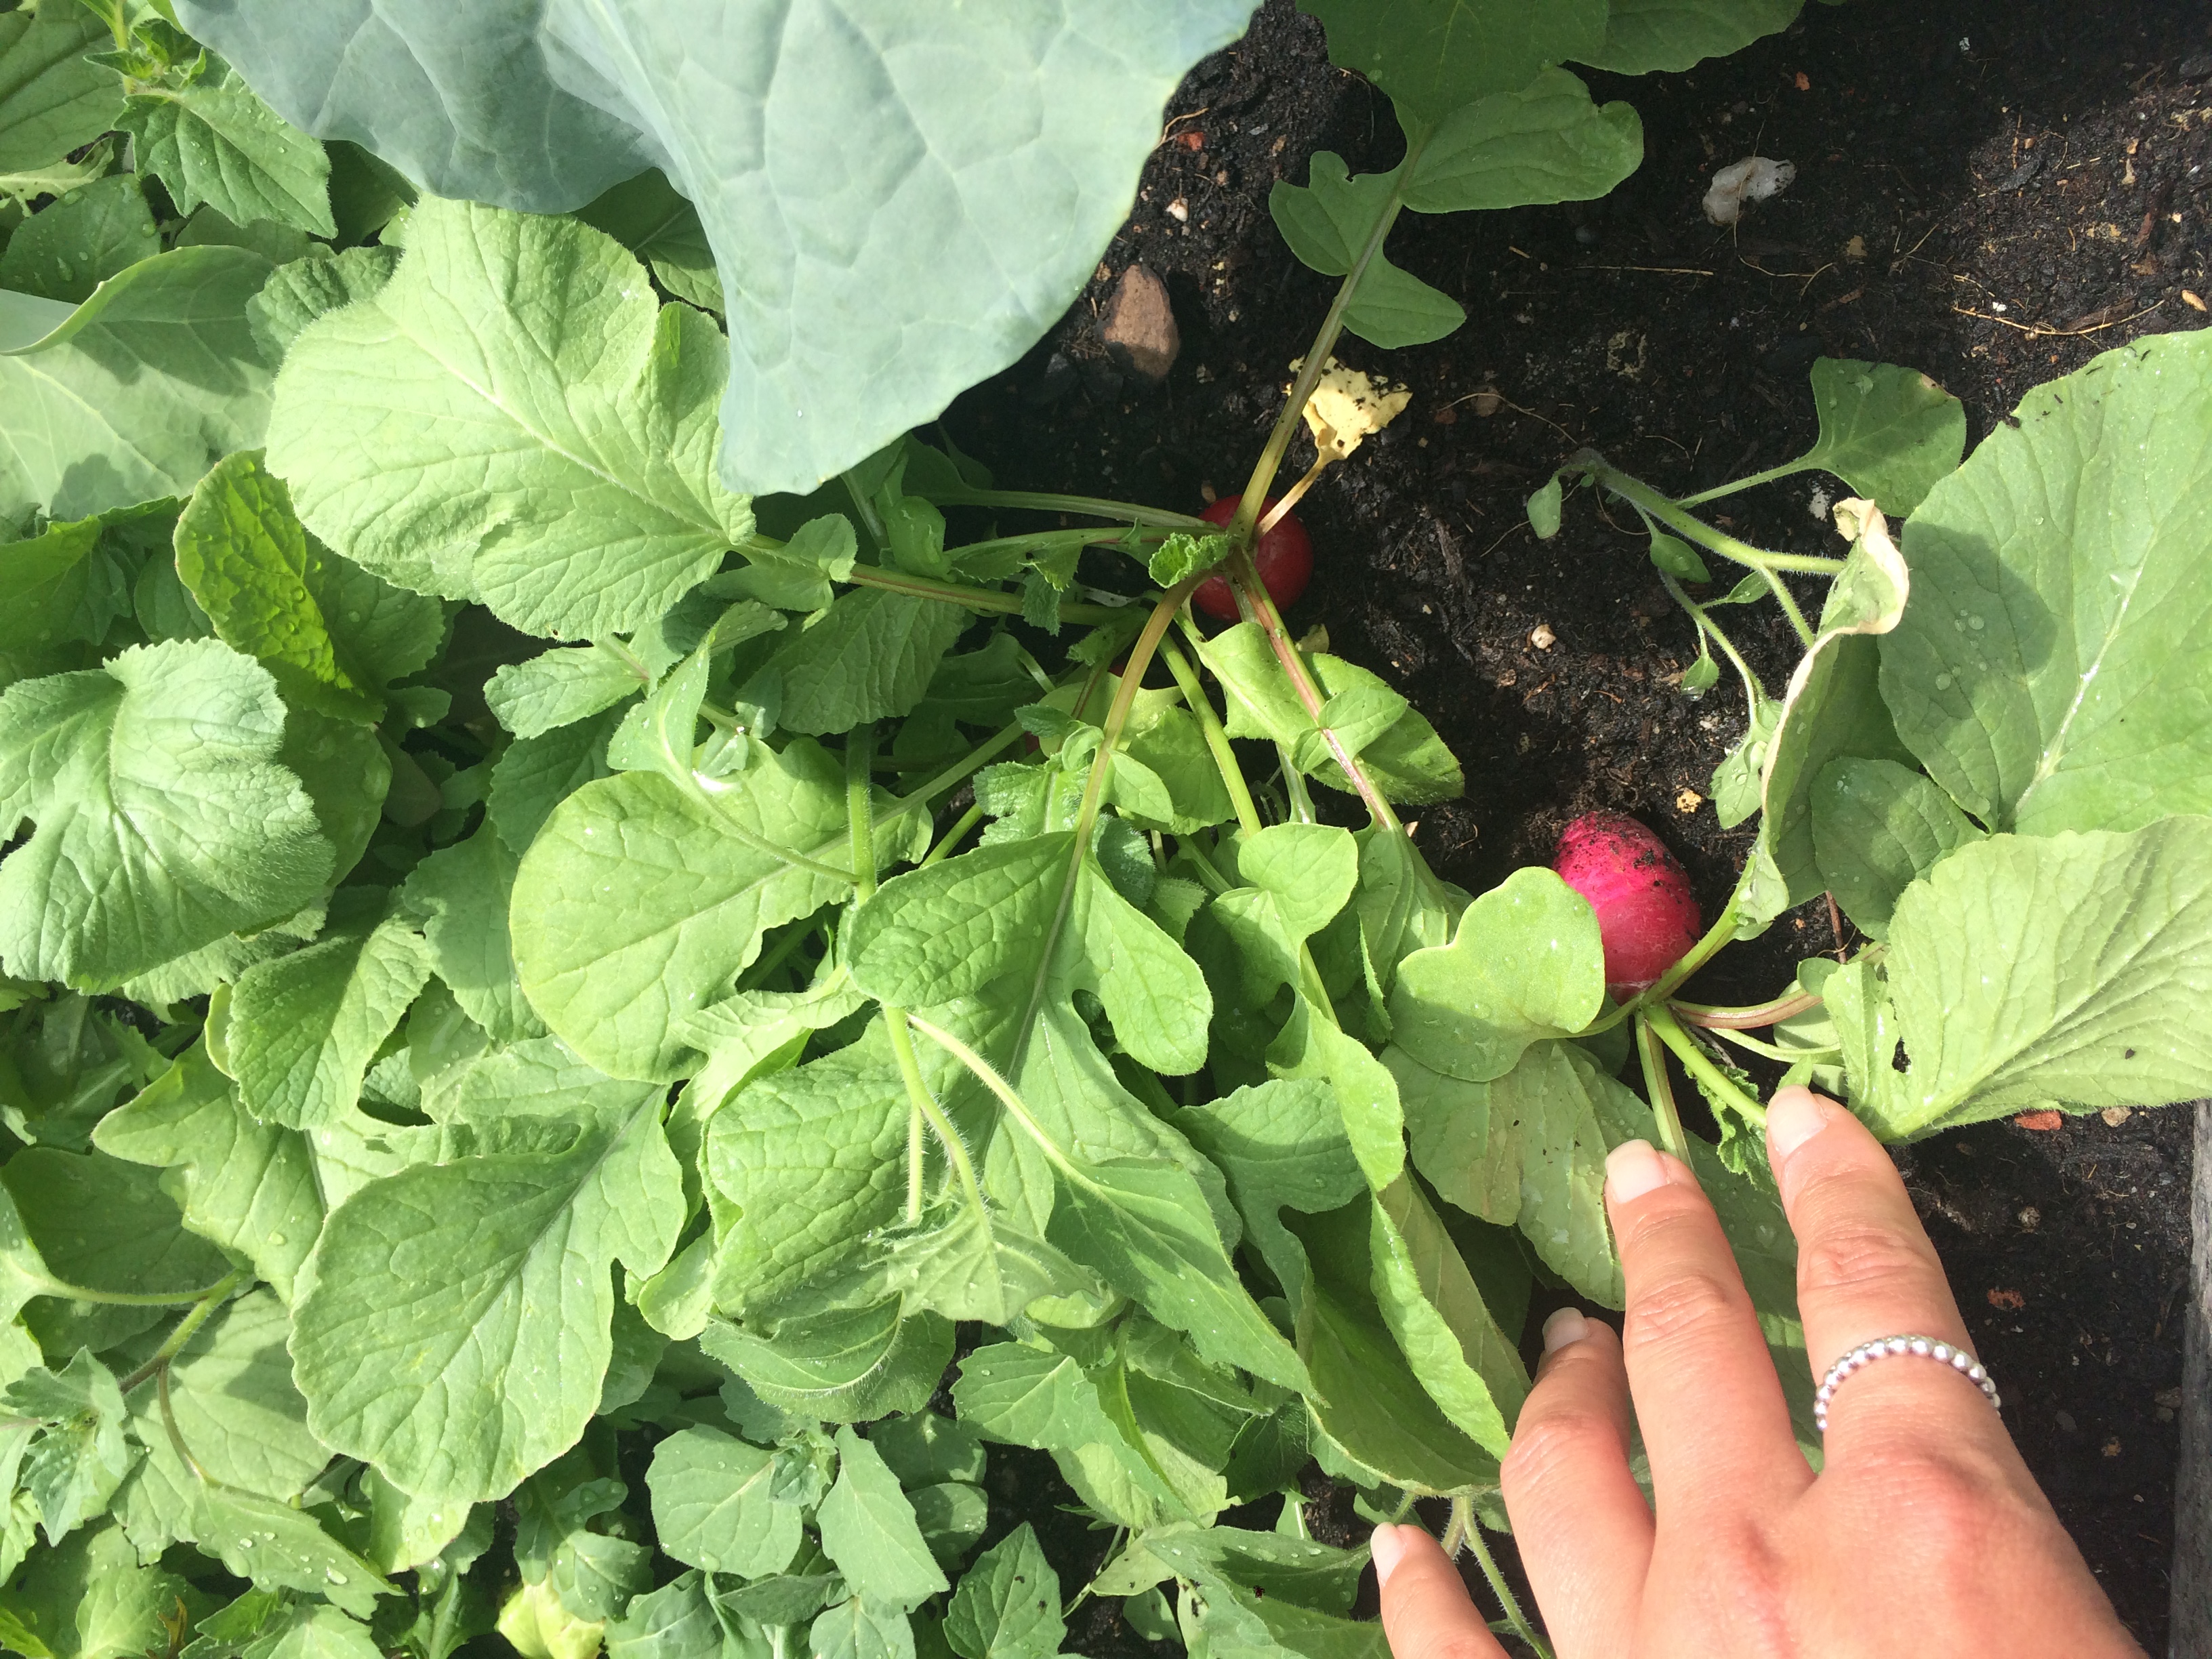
(1716, 1426)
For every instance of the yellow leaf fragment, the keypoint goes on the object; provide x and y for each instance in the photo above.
(1347, 407)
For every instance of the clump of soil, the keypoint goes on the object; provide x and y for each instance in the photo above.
(1990, 194)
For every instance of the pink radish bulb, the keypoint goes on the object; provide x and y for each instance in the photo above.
(1641, 893)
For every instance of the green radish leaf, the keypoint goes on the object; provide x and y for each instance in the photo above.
(713, 1506)
(466, 890)
(861, 1627)
(647, 216)
(73, 244)
(1643, 36)
(536, 774)
(1524, 1149)
(595, 509)
(559, 687)
(1833, 709)
(1433, 56)
(1282, 1145)
(304, 1028)
(298, 293)
(1891, 434)
(1544, 142)
(868, 1530)
(87, 1598)
(282, 1548)
(1877, 828)
(967, 124)
(74, 1465)
(137, 393)
(1364, 1398)
(640, 901)
(2048, 672)
(231, 1394)
(247, 1187)
(1026, 1396)
(491, 1363)
(1293, 879)
(53, 98)
(1146, 1228)
(677, 1621)
(1409, 763)
(215, 141)
(870, 659)
(2028, 971)
(1525, 963)
(1008, 1605)
(164, 821)
(1429, 1301)
(1311, 1046)
(1681, 560)
(1328, 220)
(803, 1165)
(1738, 779)
(848, 1366)
(333, 634)
(57, 588)
(1545, 507)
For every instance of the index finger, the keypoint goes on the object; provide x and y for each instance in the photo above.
(1865, 1271)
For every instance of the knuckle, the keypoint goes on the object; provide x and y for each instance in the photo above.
(1545, 1452)
(1454, 1645)
(1687, 1307)
(1945, 1511)
(1850, 1257)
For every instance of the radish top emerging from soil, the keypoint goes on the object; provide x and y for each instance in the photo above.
(1645, 913)
(1283, 559)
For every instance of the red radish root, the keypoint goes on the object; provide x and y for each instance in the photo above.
(1645, 913)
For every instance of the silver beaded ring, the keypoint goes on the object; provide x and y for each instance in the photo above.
(1883, 1347)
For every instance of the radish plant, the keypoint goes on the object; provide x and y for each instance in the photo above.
(618, 969)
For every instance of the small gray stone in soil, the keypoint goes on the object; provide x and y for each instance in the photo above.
(1139, 328)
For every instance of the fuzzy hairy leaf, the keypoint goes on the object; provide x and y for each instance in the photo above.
(2050, 671)
(215, 141)
(490, 1363)
(163, 818)
(52, 100)
(640, 901)
(137, 391)
(555, 462)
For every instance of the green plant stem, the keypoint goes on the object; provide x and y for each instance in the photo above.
(176, 1434)
(1752, 691)
(895, 1021)
(173, 1345)
(68, 1292)
(1316, 358)
(974, 598)
(1498, 1587)
(1217, 738)
(441, 1642)
(1089, 506)
(1751, 1044)
(1653, 1058)
(1094, 787)
(1253, 598)
(1700, 1065)
(860, 802)
(1787, 469)
(1715, 1017)
(953, 837)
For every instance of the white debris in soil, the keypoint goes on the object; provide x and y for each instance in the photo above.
(1820, 502)
(1754, 179)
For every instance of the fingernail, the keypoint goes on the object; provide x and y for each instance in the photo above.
(1566, 1326)
(1632, 1169)
(1793, 1116)
(1387, 1546)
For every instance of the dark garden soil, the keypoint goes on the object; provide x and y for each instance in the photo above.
(1991, 191)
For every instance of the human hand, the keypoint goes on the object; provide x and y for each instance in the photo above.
(1923, 1533)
